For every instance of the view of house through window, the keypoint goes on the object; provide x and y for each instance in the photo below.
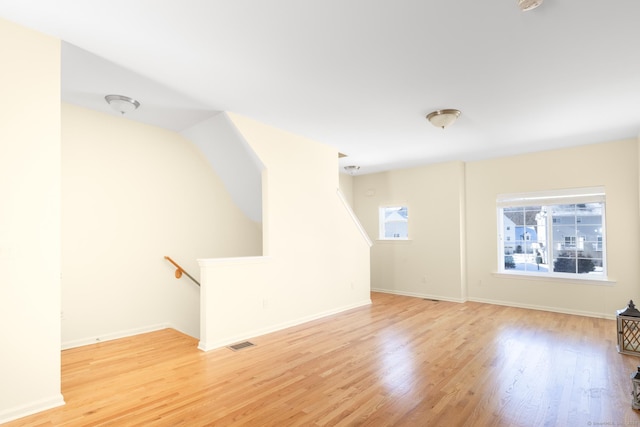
(553, 233)
(394, 223)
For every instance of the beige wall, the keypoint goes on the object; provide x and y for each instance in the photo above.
(453, 255)
(613, 165)
(431, 263)
(316, 261)
(346, 186)
(29, 222)
(133, 193)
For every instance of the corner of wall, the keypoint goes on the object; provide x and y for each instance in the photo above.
(30, 233)
(318, 263)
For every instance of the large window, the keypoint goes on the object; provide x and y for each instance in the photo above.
(394, 223)
(555, 233)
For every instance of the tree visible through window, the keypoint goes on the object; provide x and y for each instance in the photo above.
(394, 223)
(551, 233)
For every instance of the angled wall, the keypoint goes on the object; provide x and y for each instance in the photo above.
(29, 222)
(233, 160)
(316, 260)
(131, 194)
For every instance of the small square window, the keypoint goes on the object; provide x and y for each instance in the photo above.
(394, 223)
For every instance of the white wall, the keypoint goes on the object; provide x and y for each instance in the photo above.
(346, 186)
(431, 263)
(233, 160)
(613, 165)
(316, 263)
(456, 254)
(29, 222)
(133, 193)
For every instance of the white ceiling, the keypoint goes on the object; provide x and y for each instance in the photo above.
(361, 75)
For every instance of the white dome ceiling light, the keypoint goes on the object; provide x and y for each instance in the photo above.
(526, 5)
(122, 104)
(352, 169)
(443, 118)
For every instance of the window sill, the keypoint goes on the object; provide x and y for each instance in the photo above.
(393, 240)
(605, 281)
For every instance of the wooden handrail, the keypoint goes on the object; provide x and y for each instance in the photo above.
(180, 270)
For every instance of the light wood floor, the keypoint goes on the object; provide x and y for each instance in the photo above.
(400, 362)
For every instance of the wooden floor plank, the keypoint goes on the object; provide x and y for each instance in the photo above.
(400, 362)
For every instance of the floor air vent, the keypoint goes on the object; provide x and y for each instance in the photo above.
(241, 345)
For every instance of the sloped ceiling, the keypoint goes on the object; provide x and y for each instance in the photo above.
(361, 75)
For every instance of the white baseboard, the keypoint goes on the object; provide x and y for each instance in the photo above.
(263, 331)
(31, 408)
(114, 336)
(560, 310)
(417, 295)
(503, 303)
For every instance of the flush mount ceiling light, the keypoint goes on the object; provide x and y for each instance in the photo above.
(443, 118)
(526, 5)
(352, 169)
(122, 104)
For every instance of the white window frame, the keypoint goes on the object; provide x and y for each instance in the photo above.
(382, 223)
(550, 198)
